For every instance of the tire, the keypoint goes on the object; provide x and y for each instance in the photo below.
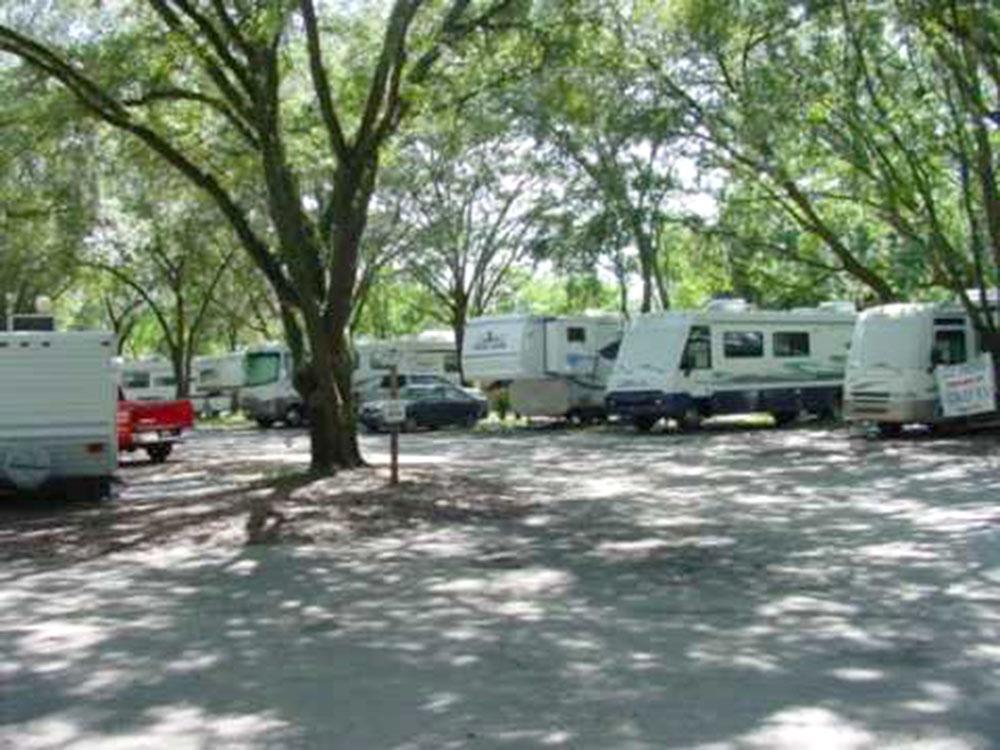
(889, 429)
(410, 425)
(783, 418)
(645, 424)
(471, 421)
(293, 416)
(574, 418)
(834, 412)
(690, 420)
(265, 423)
(158, 454)
(96, 490)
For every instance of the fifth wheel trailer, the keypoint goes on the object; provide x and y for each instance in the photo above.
(730, 358)
(58, 402)
(552, 366)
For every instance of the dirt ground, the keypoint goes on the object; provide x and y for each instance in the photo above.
(741, 588)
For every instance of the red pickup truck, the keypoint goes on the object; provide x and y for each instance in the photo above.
(152, 426)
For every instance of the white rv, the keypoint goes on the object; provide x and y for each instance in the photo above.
(148, 379)
(58, 406)
(216, 381)
(896, 350)
(552, 366)
(268, 395)
(731, 359)
(427, 353)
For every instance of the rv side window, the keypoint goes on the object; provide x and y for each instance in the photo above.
(698, 350)
(611, 350)
(379, 360)
(742, 344)
(787, 344)
(135, 380)
(576, 334)
(949, 347)
(165, 381)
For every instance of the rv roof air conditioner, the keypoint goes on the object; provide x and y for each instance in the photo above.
(838, 306)
(728, 305)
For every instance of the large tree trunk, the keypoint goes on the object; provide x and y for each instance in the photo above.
(458, 327)
(325, 385)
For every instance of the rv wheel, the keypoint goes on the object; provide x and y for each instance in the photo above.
(782, 418)
(574, 417)
(889, 429)
(832, 412)
(265, 423)
(690, 420)
(645, 424)
(293, 416)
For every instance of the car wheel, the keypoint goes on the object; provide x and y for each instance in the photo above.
(265, 423)
(410, 425)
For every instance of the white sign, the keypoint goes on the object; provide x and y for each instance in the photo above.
(967, 389)
(394, 412)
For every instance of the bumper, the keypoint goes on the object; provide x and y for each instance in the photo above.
(156, 437)
(899, 411)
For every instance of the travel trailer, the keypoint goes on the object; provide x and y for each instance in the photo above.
(427, 353)
(148, 379)
(552, 366)
(731, 358)
(892, 370)
(216, 381)
(268, 395)
(58, 401)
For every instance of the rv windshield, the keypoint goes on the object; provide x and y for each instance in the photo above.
(882, 340)
(263, 368)
(654, 344)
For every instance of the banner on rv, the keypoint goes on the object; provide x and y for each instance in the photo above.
(967, 389)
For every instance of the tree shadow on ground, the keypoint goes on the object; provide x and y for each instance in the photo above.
(776, 589)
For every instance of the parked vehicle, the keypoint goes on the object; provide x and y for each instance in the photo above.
(153, 426)
(431, 406)
(57, 412)
(268, 394)
(149, 379)
(216, 381)
(551, 366)
(895, 353)
(729, 359)
(427, 353)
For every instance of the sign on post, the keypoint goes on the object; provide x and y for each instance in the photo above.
(394, 412)
(967, 389)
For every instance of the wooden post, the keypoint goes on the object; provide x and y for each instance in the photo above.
(394, 433)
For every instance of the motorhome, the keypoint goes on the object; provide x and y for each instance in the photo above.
(731, 358)
(896, 352)
(58, 402)
(551, 366)
(268, 394)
